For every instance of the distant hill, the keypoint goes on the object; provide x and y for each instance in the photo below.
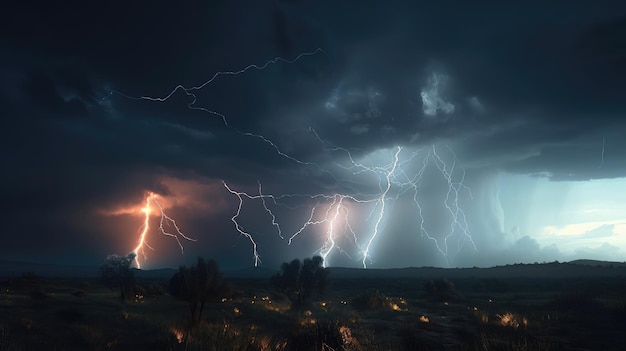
(578, 268)
(598, 263)
(17, 268)
(575, 269)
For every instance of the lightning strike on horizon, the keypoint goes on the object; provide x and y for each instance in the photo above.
(335, 211)
(331, 215)
(382, 202)
(165, 220)
(238, 227)
(451, 203)
(393, 183)
(394, 179)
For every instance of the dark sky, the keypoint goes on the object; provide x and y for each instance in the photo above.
(426, 133)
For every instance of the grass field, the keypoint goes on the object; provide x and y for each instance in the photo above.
(354, 314)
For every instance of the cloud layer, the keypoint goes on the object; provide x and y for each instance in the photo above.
(527, 89)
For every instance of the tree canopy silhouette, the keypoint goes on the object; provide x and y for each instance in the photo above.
(198, 284)
(298, 280)
(116, 272)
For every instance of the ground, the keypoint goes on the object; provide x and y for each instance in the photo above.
(353, 314)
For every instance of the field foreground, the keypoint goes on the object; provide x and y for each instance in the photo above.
(459, 313)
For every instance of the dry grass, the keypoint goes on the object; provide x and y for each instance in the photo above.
(349, 317)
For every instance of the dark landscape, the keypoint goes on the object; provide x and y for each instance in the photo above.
(579, 305)
(233, 150)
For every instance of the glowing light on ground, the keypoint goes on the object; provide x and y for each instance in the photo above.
(178, 334)
(512, 320)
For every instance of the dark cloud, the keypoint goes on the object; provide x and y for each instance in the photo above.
(508, 87)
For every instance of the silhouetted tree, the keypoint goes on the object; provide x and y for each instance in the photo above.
(298, 280)
(116, 272)
(198, 284)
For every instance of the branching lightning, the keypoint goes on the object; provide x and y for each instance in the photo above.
(401, 175)
(396, 178)
(451, 201)
(191, 92)
(147, 210)
(382, 203)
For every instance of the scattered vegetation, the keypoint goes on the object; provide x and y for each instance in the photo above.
(355, 315)
(371, 299)
(116, 273)
(442, 290)
(299, 280)
(31, 285)
(198, 284)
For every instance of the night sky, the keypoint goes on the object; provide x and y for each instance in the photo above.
(431, 133)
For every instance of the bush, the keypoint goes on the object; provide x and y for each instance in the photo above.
(116, 273)
(329, 335)
(579, 303)
(214, 337)
(30, 284)
(79, 293)
(371, 299)
(298, 280)
(155, 290)
(198, 284)
(442, 290)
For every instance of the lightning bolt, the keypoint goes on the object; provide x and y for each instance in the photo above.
(147, 210)
(382, 202)
(238, 227)
(451, 202)
(394, 179)
(191, 92)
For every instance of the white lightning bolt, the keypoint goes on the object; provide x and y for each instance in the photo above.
(191, 92)
(238, 227)
(382, 202)
(394, 182)
(394, 179)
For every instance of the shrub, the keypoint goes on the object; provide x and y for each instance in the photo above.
(298, 280)
(578, 302)
(328, 335)
(79, 293)
(198, 284)
(441, 290)
(30, 284)
(371, 299)
(116, 273)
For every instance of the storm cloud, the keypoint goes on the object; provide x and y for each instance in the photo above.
(520, 96)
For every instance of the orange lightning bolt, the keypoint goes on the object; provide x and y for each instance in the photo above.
(165, 220)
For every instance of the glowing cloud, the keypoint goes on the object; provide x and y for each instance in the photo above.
(153, 207)
(432, 101)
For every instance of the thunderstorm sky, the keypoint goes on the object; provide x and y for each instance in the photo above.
(526, 99)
